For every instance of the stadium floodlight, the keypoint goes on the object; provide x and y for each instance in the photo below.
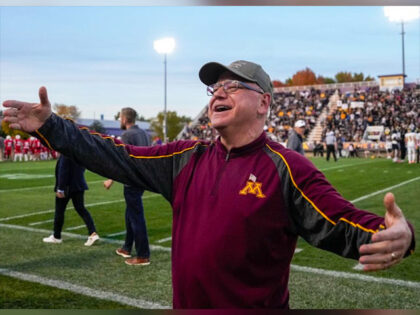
(164, 46)
(402, 14)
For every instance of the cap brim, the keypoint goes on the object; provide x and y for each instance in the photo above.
(211, 71)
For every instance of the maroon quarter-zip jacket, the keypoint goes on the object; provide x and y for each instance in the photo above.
(236, 215)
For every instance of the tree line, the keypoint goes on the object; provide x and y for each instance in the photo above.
(308, 77)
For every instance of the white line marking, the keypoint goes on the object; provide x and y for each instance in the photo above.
(384, 190)
(99, 294)
(117, 234)
(298, 250)
(72, 235)
(341, 166)
(52, 210)
(40, 187)
(75, 227)
(357, 276)
(163, 240)
(41, 222)
(332, 273)
(359, 266)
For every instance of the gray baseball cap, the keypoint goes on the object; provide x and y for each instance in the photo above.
(252, 72)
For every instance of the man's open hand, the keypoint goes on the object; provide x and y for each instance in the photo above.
(389, 246)
(28, 116)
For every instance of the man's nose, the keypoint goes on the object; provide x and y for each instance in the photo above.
(220, 92)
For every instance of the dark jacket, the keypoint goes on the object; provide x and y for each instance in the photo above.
(236, 215)
(69, 176)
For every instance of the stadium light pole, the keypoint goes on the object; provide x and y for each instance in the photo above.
(164, 46)
(402, 14)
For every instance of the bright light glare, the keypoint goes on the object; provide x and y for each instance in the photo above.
(402, 14)
(164, 45)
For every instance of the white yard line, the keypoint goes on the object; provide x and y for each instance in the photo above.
(357, 276)
(75, 288)
(337, 274)
(163, 240)
(72, 235)
(117, 234)
(52, 210)
(342, 166)
(385, 190)
(359, 266)
(41, 222)
(40, 187)
(75, 227)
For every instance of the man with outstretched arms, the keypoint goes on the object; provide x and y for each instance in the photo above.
(239, 203)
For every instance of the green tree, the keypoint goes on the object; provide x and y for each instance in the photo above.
(175, 124)
(67, 111)
(97, 126)
(358, 77)
(329, 80)
(343, 76)
(117, 116)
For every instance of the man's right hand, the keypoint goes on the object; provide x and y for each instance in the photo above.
(28, 116)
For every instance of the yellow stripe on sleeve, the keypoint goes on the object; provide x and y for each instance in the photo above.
(313, 204)
(43, 138)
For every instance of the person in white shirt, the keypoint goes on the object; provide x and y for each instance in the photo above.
(410, 140)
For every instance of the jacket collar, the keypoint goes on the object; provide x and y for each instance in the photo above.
(246, 149)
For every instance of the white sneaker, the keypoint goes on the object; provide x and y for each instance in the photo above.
(52, 239)
(92, 239)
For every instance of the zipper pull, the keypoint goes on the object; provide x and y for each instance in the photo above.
(227, 156)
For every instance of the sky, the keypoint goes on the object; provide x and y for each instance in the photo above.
(102, 58)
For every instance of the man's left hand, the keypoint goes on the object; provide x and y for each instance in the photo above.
(389, 246)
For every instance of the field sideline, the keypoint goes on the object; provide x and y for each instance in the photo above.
(38, 275)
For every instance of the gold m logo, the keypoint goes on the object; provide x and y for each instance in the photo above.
(252, 188)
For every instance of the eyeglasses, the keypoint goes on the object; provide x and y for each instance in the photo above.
(230, 87)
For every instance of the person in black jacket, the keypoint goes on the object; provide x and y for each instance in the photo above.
(70, 184)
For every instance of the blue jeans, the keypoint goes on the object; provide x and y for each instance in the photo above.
(135, 222)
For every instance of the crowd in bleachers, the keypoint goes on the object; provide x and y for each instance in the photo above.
(287, 108)
(397, 110)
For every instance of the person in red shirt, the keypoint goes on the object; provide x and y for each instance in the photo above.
(36, 148)
(8, 147)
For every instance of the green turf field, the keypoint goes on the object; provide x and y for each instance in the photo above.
(46, 276)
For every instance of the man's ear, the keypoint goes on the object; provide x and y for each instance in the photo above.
(264, 106)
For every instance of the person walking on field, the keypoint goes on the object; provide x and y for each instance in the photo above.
(70, 184)
(239, 203)
(135, 222)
